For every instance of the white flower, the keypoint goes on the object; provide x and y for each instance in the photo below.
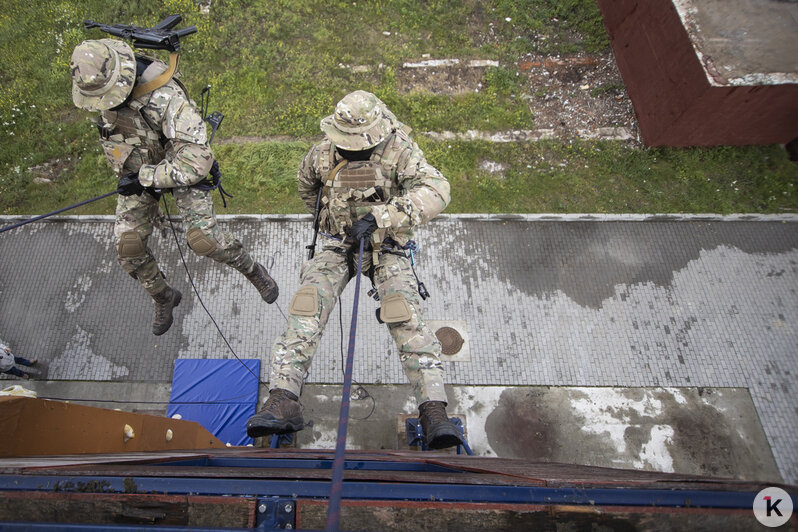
(508, 19)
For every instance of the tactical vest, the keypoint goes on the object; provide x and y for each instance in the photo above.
(128, 138)
(129, 141)
(351, 188)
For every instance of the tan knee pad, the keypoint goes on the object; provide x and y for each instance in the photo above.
(130, 245)
(201, 243)
(305, 302)
(395, 309)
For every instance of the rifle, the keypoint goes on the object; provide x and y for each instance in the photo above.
(159, 37)
(312, 247)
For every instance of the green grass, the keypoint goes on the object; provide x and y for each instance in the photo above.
(546, 176)
(277, 67)
(611, 177)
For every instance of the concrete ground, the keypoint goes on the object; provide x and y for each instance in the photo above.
(657, 342)
(744, 42)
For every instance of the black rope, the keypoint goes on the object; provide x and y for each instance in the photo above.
(334, 505)
(208, 312)
(360, 387)
(59, 211)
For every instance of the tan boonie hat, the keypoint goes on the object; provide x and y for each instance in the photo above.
(103, 74)
(359, 122)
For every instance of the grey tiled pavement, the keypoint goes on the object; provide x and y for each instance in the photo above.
(547, 300)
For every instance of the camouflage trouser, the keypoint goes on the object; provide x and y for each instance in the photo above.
(328, 273)
(139, 213)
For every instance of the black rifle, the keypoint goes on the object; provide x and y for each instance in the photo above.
(312, 247)
(159, 37)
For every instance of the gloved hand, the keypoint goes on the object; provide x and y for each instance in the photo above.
(129, 185)
(215, 173)
(363, 229)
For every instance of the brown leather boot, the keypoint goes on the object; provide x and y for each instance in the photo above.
(281, 414)
(263, 282)
(439, 432)
(165, 301)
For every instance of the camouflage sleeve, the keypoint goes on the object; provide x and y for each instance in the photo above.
(308, 179)
(188, 156)
(426, 194)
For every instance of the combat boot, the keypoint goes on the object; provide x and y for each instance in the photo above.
(165, 301)
(281, 414)
(439, 432)
(263, 282)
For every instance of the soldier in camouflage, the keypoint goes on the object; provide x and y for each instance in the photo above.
(155, 139)
(372, 182)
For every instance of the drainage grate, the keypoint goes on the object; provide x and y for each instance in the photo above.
(450, 339)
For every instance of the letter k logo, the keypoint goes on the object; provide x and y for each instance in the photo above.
(772, 507)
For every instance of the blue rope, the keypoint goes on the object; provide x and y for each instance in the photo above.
(35, 218)
(334, 506)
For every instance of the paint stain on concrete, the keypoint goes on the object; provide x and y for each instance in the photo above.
(656, 429)
(79, 362)
(77, 294)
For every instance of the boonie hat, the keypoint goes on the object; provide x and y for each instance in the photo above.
(103, 74)
(359, 122)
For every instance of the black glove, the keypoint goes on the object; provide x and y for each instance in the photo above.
(363, 229)
(129, 185)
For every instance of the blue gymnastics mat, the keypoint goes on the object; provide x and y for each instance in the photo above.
(218, 394)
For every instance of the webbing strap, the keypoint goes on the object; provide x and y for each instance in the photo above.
(331, 177)
(160, 80)
(334, 504)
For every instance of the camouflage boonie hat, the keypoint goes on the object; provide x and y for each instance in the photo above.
(103, 74)
(358, 123)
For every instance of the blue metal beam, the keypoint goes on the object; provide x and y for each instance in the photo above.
(386, 491)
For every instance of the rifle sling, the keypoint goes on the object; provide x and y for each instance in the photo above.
(330, 178)
(160, 80)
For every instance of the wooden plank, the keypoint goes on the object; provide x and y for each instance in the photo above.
(466, 517)
(43, 427)
(132, 509)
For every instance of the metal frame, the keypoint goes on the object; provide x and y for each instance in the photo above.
(293, 489)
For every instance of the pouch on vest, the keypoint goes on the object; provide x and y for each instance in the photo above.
(117, 153)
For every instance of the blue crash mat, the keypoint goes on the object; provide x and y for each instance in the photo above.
(218, 394)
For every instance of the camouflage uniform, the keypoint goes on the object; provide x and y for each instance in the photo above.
(402, 191)
(161, 136)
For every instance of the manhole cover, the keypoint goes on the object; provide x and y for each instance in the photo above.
(450, 339)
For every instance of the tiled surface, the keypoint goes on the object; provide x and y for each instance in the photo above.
(562, 302)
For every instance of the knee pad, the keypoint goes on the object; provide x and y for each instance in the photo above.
(200, 243)
(395, 309)
(130, 245)
(305, 302)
